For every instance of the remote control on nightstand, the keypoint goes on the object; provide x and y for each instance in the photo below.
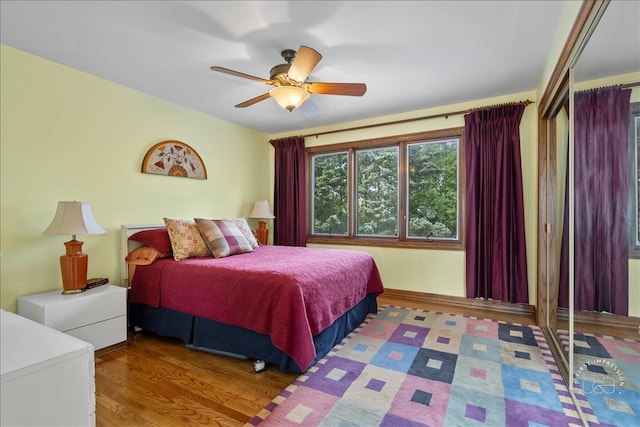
(96, 281)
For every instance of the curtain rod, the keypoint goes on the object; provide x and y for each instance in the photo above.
(433, 116)
(621, 86)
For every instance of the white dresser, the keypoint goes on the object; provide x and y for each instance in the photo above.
(98, 315)
(47, 376)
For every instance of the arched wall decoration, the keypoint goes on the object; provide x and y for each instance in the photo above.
(174, 158)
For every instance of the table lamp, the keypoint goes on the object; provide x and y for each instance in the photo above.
(262, 211)
(74, 218)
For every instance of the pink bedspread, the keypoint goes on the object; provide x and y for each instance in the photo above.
(289, 293)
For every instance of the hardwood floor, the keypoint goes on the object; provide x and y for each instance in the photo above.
(159, 382)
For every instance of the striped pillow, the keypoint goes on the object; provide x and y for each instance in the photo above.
(223, 237)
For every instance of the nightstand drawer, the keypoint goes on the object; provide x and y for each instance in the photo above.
(102, 334)
(98, 315)
(66, 312)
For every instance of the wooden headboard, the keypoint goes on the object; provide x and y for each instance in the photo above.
(126, 246)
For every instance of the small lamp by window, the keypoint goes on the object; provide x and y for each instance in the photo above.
(74, 218)
(262, 211)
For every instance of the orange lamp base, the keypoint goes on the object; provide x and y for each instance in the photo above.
(73, 265)
(262, 234)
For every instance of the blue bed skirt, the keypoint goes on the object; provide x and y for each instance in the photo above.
(208, 335)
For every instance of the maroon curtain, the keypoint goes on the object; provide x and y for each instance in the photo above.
(601, 241)
(496, 261)
(290, 193)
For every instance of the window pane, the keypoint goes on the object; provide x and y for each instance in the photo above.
(330, 201)
(433, 190)
(377, 192)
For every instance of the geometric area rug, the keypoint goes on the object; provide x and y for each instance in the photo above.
(408, 367)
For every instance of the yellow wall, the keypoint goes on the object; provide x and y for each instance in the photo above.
(67, 135)
(433, 271)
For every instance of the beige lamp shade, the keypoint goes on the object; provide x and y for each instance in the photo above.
(74, 218)
(261, 210)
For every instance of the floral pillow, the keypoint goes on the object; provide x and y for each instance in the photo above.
(186, 240)
(246, 231)
(223, 237)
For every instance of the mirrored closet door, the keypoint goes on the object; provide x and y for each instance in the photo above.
(589, 273)
(604, 215)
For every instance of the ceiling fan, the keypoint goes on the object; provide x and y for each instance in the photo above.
(290, 85)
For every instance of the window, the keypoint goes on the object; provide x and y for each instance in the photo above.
(398, 191)
(433, 189)
(377, 192)
(329, 190)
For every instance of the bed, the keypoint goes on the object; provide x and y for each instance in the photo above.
(279, 304)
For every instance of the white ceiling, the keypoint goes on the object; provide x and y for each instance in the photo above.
(411, 54)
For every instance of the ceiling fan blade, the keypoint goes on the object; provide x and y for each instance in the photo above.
(305, 61)
(255, 100)
(308, 108)
(349, 89)
(239, 74)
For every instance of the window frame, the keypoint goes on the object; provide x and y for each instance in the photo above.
(402, 240)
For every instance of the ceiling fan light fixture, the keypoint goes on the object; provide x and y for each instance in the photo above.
(291, 87)
(289, 97)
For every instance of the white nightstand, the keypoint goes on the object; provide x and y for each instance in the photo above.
(98, 315)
